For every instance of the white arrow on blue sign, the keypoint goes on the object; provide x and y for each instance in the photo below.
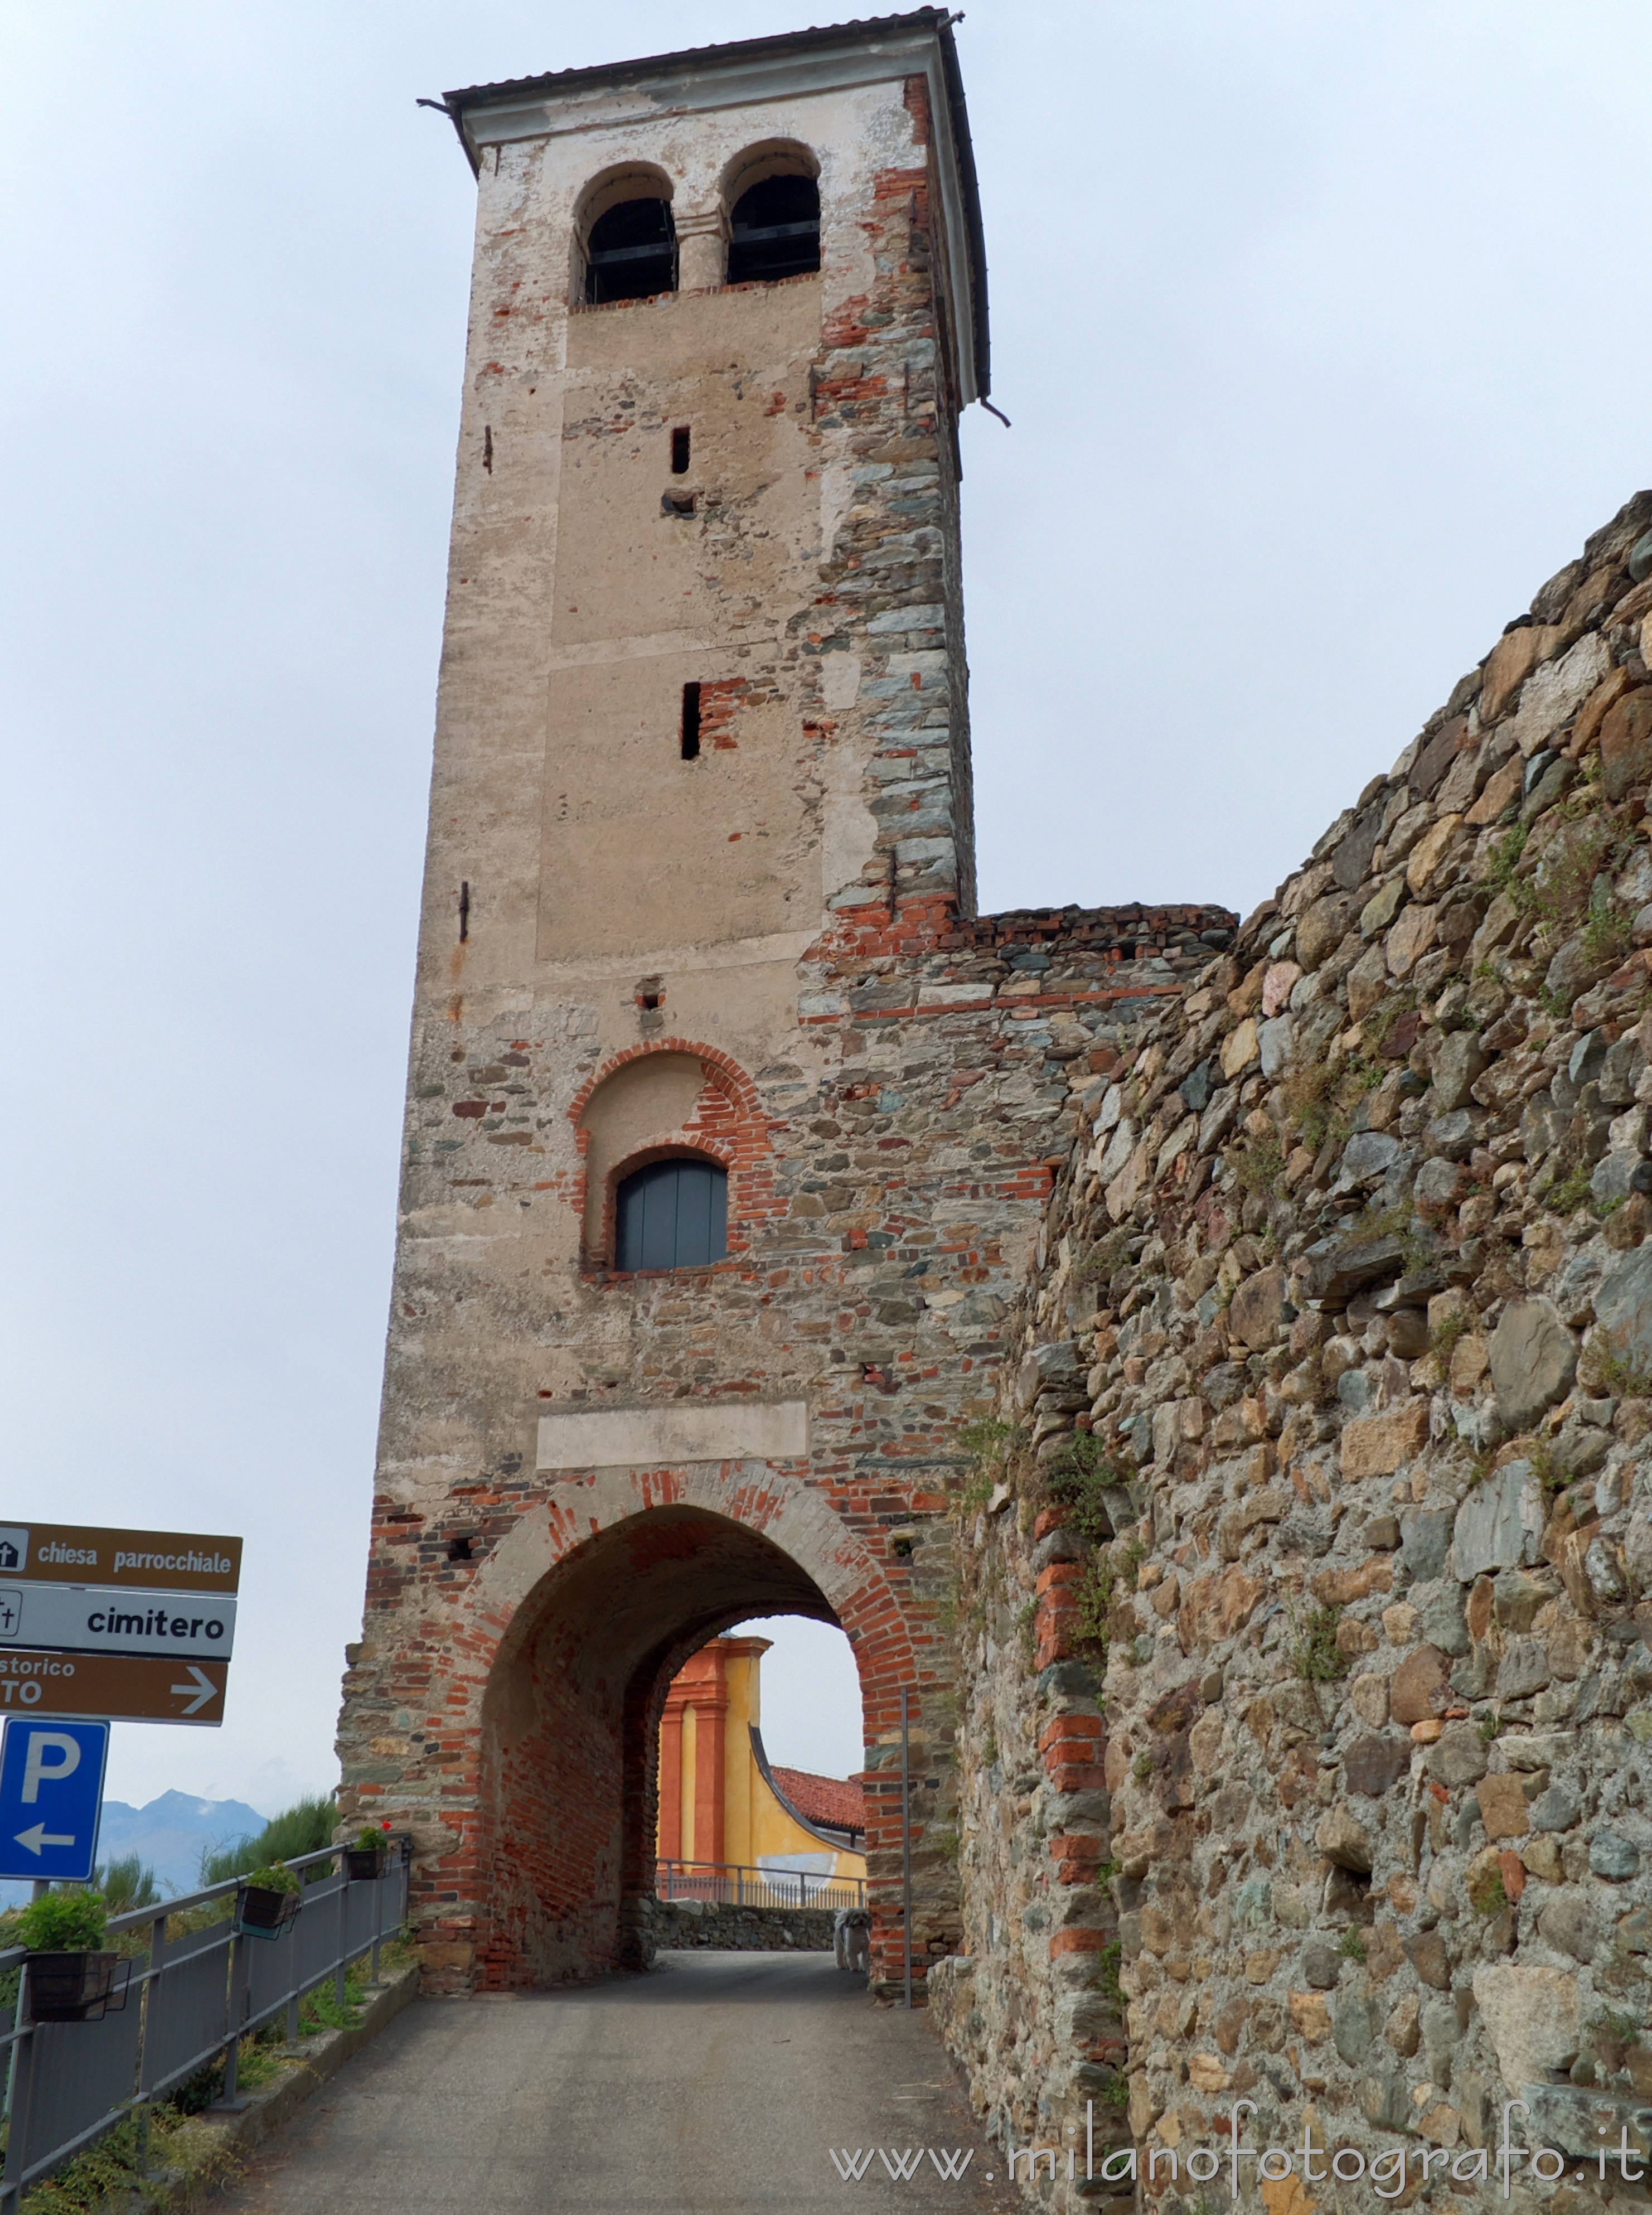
(51, 1798)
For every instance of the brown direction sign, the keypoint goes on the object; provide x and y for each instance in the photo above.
(137, 1688)
(143, 1560)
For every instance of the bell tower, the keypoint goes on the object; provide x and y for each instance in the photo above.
(729, 1122)
(703, 692)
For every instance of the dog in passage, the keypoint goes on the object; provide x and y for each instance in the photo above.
(852, 1939)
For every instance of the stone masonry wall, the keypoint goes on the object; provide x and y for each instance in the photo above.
(1306, 1616)
(905, 1184)
(678, 1924)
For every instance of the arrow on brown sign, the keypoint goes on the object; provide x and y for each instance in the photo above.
(138, 1688)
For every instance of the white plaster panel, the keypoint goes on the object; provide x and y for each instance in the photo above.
(630, 1438)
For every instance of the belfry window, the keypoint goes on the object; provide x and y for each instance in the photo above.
(672, 1215)
(632, 252)
(775, 230)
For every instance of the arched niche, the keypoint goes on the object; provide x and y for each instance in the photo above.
(656, 1105)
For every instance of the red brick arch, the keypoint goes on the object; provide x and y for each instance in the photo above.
(722, 1067)
(556, 1665)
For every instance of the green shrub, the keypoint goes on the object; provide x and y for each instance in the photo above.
(303, 1828)
(126, 1884)
(369, 1839)
(1488, 1895)
(1568, 1193)
(64, 1923)
(1111, 1963)
(1442, 1338)
(1624, 1379)
(1505, 857)
(1315, 1655)
(1076, 1478)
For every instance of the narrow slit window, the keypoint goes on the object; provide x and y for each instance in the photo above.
(691, 722)
(680, 451)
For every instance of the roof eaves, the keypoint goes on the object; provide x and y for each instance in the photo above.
(781, 42)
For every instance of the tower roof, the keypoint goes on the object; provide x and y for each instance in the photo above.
(748, 70)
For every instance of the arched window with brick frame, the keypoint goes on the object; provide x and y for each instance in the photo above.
(674, 1101)
(671, 1214)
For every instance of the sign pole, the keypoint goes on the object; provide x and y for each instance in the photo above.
(906, 1848)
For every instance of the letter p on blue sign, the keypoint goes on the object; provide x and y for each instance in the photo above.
(51, 1798)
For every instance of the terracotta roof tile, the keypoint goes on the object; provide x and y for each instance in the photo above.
(831, 1800)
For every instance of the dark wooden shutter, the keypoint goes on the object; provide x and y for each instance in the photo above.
(673, 1215)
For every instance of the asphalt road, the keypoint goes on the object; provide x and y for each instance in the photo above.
(718, 2084)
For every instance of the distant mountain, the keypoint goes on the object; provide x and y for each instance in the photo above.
(169, 1836)
(171, 1833)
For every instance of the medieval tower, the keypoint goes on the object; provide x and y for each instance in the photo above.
(729, 1124)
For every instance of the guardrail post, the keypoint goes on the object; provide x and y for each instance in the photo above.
(230, 2099)
(906, 1850)
(18, 2087)
(150, 2000)
(295, 1992)
(344, 1929)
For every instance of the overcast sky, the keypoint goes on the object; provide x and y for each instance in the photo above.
(1324, 330)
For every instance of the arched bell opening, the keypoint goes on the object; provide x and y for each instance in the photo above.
(625, 237)
(774, 230)
(772, 193)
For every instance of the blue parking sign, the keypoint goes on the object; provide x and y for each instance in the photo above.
(51, 1798)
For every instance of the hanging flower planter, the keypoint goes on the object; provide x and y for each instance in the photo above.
(261, 1912)
(365, 1860)
(76, 1987)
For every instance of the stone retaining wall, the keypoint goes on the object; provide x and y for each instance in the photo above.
(676, 1923)
(1305, 1617)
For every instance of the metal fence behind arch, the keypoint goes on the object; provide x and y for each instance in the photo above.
(192, 2000)
(730, 1884)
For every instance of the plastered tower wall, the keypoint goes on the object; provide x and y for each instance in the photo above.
(1306, 1637)
(766, 956)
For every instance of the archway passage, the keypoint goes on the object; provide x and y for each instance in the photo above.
(569, 1799)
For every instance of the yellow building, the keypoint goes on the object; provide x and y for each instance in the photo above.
(722, 1803)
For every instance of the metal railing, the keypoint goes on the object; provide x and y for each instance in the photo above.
(729, 1884)
(198, 1995)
